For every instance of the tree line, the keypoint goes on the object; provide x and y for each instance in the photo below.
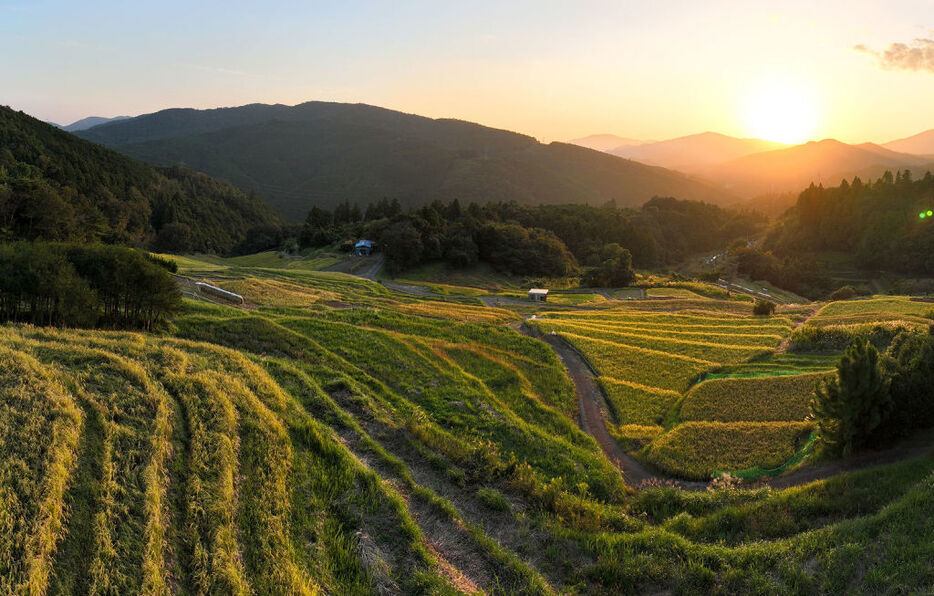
(57, 187)
(534, 240)
(877, 397)
(85, 285)
(879, 222)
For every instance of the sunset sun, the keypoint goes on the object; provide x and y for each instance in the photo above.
(782, 113)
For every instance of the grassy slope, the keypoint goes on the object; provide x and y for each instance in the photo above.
(376, 448)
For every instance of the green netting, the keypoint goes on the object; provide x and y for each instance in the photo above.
(756, 473)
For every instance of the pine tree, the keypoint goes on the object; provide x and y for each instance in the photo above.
(851, 406)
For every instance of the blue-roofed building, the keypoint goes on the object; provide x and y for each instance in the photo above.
(364, 248)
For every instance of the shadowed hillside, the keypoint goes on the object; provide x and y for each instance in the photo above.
(326, 153)
(54, 186)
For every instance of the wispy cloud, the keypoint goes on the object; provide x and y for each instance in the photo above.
(918, 55)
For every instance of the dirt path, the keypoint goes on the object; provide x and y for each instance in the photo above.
(593, 412)
(783, 346)
(593, 415)
(372, 270)
(365, 267)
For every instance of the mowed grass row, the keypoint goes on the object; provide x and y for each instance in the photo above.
(726, 353)
(39, 434)
(687, 320)
(462, 405)
(644, 366)
(757, 399)
(218, 517)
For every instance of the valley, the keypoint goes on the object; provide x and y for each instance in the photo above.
(333, 435)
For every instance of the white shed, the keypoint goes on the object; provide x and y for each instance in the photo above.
(538, 295)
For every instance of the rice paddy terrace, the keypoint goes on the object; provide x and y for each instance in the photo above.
(337, 437)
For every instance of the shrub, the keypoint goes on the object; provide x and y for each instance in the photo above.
(843, 293)
(493, 499)
(763, 307)
(827, 338)
(851, 406)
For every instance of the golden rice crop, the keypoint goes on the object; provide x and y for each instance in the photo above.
(725, 336)
(757, 399)
(696, 449)
(271, 292)
(633, 403)
(640, 365)
(702, 350)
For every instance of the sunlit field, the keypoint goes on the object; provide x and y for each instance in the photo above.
(335, 436)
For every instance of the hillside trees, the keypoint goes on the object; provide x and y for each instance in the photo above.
(57, 187)
(535, 240)
(614, 271)
(877, 221)
(84, 286)
(912, 371)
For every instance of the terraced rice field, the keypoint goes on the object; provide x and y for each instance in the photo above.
(650, 366)
(872, 310)
(374, 443)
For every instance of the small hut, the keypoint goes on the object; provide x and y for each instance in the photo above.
(364, 248)
(538, 295)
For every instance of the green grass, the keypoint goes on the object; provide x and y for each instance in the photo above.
(341, 445)
(673, 292)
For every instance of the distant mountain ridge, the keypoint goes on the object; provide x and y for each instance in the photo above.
(919, 144)
(90, 122)
(694, 152)
(605, 142)
(821, 162)
(773, 173)
(325, 153)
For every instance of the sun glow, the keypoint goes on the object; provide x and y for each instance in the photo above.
(782, 113)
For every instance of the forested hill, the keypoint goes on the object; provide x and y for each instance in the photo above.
(320, 153)
(888, 224)
(55, 186)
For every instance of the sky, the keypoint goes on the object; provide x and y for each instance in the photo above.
(790, 71)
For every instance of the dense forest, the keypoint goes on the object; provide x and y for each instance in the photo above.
(85, 285)
(324, 153)
(879, 222)
(57, 187)
(545, 240)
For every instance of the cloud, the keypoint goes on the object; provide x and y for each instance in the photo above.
(919, 55)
